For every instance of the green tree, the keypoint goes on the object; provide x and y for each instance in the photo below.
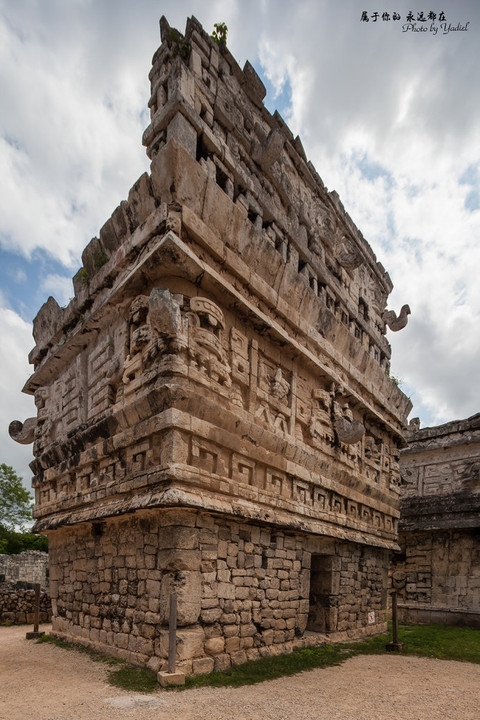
(12, 542)
(15, 500)
(15, 511)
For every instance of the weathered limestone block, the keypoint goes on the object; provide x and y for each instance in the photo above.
(179, 560)
(202, 666)
(94, 256)
(46, 324)
(215, 646)
(172, 184)
(183, 132)
(252, 84)
(269, 152)
(187, 586)
(189, 644)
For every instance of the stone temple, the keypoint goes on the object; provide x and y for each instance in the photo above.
(437, 574)
(215, 412)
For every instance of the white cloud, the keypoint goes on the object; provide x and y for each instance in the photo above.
(59, 286)
(16, 343)
(70, 143)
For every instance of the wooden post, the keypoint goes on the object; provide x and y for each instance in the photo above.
(172, 633)
(171, 676)
(394, 617)
(395, 646)
(36, 616)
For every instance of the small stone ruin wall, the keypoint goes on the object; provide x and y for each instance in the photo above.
(30, 566)
(17, 604)
(18, 575)
(243, 590)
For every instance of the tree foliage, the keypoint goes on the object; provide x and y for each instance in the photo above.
(15, 513)
(15, 500)
(220, 33)
(12, 542)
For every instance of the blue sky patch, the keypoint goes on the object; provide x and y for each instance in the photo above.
(472, 201)
(471, 177)
(22, 281)
(273, 101)
(372, 170)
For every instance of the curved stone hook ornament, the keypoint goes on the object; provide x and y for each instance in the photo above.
(23, 433)
(396, 323)
(349, 431)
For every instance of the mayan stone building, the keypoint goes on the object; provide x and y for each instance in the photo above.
(215, 414)
(437, 575)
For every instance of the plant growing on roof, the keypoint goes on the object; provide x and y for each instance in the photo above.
(219, 33)
(180, 45)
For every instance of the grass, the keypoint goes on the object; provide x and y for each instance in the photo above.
(270, 668)
(443, 642)
(134, 679)
(93, 654)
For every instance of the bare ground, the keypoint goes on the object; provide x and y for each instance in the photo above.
(44, 682)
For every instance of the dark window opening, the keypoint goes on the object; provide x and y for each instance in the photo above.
(322, 614)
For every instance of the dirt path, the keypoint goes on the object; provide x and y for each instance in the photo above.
(43, 682)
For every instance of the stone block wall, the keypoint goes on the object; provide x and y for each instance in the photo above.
(17, 602)
(363, 575)
(242, 589)
(30, 566)
(437, 576)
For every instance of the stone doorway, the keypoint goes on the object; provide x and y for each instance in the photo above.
(322, 614)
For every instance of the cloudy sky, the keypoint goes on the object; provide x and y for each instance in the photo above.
(388, 111)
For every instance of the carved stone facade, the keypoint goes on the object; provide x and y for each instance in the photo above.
(214, 408)
(437, 574)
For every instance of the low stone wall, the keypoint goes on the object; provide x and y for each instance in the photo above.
(17, 604)
(30, 566)
(445, 615)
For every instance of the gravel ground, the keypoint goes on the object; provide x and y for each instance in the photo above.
(43, 682)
